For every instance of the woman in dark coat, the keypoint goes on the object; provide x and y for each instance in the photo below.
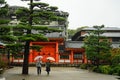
(48, 65)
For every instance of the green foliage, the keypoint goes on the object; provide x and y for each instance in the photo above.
(105, 69)
(3, 21)
(22, 26)
(54, 30)
(71, 33)
(22, 12)
(3, 65)
(9, 38)
(4, 30)
(39, 5)
(52, 8)
(29, 28)
(97, 46)
(118, 72)
(83, 66)
(95, 69)
(116, 59)
(33, 37)
(40, 28)
(3, 8)
(2, 1)
(36, 47)
(115, 70)
(15, 48)
(55, 18)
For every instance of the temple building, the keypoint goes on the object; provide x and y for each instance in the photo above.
(71, 51)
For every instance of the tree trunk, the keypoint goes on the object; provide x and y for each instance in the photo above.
(26, 57)
(8, 56)
(27, 45)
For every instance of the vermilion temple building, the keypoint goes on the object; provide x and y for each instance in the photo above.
(71, 51)
(59, 47)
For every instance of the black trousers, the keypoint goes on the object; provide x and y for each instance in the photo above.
(48, 70)
(38, 70)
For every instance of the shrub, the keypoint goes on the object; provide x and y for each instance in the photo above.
(102, 69)
(83, 66)
(116, 59)
(96, 69)
(105, 69)
(115, 70)
(118, 73)
(3, 65)
(111, 71)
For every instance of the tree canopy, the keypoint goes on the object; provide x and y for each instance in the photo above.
(97, 46)
(31, 27)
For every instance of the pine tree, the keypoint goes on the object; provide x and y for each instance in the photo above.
(30, 28)
(4, 31)
(97, 46)
(31, 20)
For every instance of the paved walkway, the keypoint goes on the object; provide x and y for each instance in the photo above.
(57, 73)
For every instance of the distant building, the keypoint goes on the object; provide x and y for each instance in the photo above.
(113, 33)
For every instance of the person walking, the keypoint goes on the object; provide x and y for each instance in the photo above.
(39, 65)
(48, 65)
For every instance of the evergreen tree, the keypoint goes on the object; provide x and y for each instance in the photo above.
(97, 46)
(31, 19)
(3, 21)
(29, 29)
(3, 8)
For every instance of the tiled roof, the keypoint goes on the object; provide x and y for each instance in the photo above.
(107, 34)
(73, 44)
(51, 34)
(55, 35)
(105, 28)
(115, 34)
(79, 44)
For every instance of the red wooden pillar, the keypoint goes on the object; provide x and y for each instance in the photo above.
(30, 57)
(57, 58)
(84, 58)
(57, 54)
(71, 57)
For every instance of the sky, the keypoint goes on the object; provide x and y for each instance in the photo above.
(84, 12)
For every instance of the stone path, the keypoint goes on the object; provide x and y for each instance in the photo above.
(57, 73)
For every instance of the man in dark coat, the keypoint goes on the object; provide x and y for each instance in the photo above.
(48, 65)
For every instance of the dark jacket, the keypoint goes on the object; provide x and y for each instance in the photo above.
(48, 65)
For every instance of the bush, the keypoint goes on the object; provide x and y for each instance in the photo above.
(118, 73)
(96, 69)
(116, 59)
(83, 66)
(3, 65)
(102, 69)
(105, 69)
(115, 70)
(111, 71)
